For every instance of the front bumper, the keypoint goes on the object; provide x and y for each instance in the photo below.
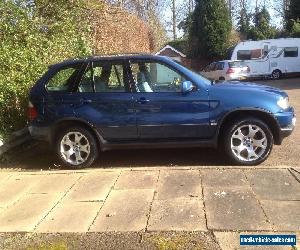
(287, 122)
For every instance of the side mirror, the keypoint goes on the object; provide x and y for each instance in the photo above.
(187, 87)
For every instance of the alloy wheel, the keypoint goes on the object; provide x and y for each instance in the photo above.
(75, 148)
(249, 142)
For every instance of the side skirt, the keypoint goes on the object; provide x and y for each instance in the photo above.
(159, 144)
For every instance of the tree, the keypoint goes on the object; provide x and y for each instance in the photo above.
(244, 18)
(210, 29)
(151, 12)
(295, 30)
(262, 28)
(292, 14)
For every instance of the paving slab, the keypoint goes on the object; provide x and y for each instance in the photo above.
(4, 176)
(93, 186)
(124, 210)
(274, 184)
(177, 215)
(55, 183)
(27, 212)
(70, 217)
(296, 173)
(137, 180)
(285, 215)
(231, 241)
(223, 177)
(233, 209)
(15, 187)
(184, 184)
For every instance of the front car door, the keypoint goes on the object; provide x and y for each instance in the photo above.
(162, 110)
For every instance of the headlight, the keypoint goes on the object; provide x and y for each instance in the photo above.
(283, 103)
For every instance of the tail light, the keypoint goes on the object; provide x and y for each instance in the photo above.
(230, 71)
(248, 69)
(32, 112)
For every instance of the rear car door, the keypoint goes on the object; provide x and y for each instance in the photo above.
(59, 97)
(105, 100)
(162, 110)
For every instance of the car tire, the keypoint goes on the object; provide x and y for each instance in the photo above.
(247, 141)
(76, 148)
(276, 74)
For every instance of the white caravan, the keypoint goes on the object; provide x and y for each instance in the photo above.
(274, 57)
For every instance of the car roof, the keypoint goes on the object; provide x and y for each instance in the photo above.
(230, 61)
(70, 62)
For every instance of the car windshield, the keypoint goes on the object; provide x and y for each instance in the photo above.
(195, 73)
(237, 64)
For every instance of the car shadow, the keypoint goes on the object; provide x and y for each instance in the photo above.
(39, 156)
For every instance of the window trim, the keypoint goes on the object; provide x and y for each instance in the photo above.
(134, 83)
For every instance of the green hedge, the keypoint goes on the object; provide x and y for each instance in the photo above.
(31, 38)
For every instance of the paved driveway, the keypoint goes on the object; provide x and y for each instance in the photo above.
(223, 201)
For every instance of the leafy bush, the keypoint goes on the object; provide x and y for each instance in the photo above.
(32, 37)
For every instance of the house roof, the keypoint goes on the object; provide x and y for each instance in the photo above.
(171, 48)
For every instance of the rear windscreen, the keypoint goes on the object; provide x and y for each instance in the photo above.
(237, 64)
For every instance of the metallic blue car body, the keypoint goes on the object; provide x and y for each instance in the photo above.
(168, 119)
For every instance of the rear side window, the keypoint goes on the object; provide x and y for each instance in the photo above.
(291, 52)
(249, 54)
(62, 80)
(244, 55)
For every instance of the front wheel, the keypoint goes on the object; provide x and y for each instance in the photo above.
(276, 74)
(76, 148)
(248, 141)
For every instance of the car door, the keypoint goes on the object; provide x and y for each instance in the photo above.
(162, 110)
(105, 100)
(59, 97)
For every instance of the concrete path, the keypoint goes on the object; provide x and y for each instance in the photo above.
(223, 201)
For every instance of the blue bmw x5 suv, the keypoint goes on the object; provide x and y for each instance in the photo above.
(84, 106)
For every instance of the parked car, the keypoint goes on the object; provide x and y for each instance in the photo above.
(270, 58)
(226, 70)
(85, 106)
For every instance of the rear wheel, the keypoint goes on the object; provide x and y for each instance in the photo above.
(76, 148)
(276, 74)
(248, 141)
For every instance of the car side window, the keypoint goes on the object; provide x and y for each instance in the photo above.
(219, 66)
(86, 84)
(103, 78)
(156, 77)
(213, 67)
(61, 80)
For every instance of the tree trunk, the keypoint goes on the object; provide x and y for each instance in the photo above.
(174, 20)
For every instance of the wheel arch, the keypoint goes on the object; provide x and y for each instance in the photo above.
(68, 122)
(263, 115)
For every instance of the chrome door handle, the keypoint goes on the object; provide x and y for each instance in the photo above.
(85, 101)
(142, 101)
